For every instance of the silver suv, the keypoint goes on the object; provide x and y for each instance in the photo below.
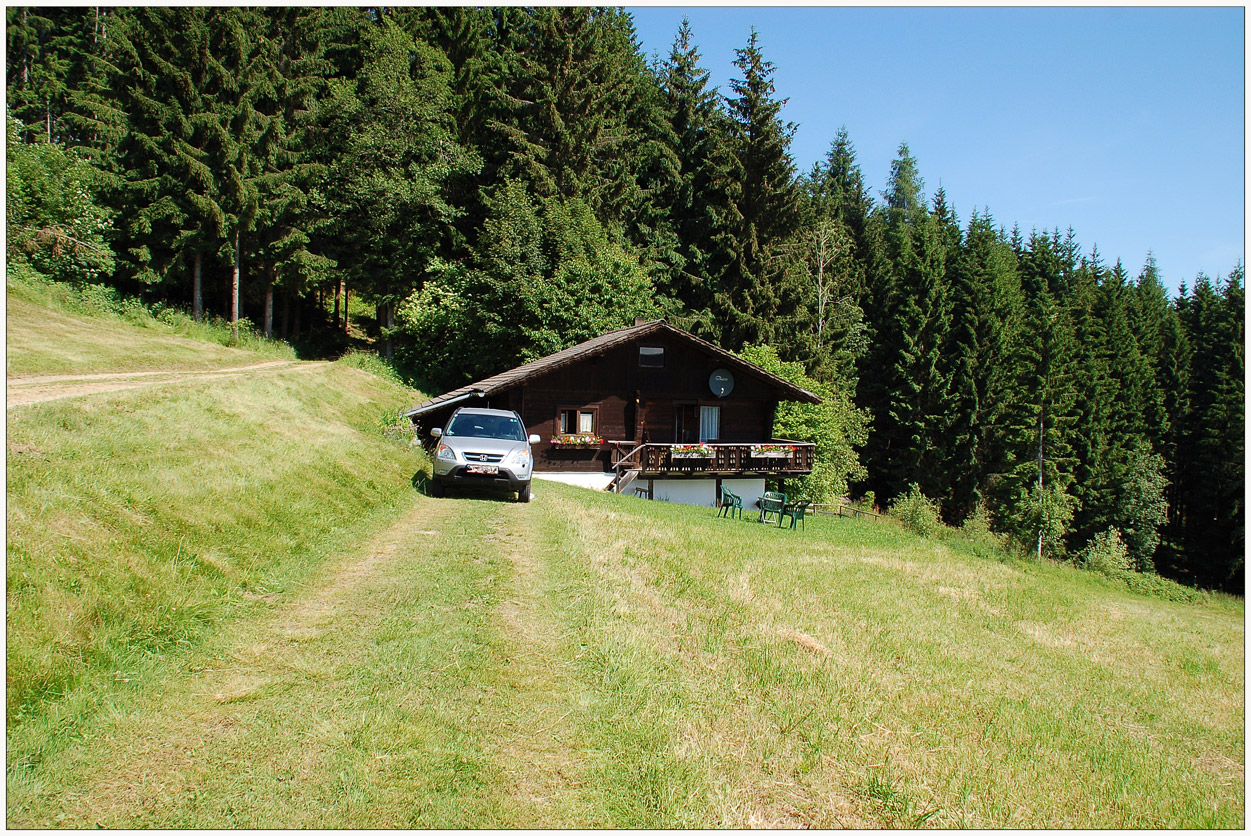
(483, 448)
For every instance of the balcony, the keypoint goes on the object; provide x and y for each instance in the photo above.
(653, 461)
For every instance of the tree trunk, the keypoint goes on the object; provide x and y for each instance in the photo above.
(269, 308)
(286, 314)
(1042, 520)
(295, 326)
(197, 287)
(234, 291)
(345, 307)
(25, 57)
(390, 325)
(338, 295)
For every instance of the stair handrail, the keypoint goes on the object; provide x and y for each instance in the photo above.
(627, 456)
(616, 480)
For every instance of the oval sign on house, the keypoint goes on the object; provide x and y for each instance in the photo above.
(721, 382)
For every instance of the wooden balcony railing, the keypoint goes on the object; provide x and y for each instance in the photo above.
(661, 460)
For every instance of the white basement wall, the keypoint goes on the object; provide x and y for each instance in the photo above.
(704, 491)
(701, 492)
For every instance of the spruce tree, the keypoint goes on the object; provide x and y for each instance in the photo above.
(1148, 309)
(837, 187)
(390, 134)
(1212, 447)
(39, 61)
(837, 209)
(171, 156)
(290, 166)
(696, 201)
(563, 99)
(987, 314)
(760, 180)
(1092, 439)
(905, 381)
(1035, 500)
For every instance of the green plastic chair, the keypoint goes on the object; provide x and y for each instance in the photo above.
(730, 502)
(796, 511)
(771, 505)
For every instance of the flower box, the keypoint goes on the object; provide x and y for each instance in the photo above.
(691, 451)
(580, 440)
(772, 451)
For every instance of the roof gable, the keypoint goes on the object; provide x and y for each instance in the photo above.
(599, 345)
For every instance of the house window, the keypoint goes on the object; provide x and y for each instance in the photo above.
(575, 421)
(709, 423)
(696, 423)
(651, 358)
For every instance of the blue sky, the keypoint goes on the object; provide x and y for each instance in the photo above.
(1126, 124)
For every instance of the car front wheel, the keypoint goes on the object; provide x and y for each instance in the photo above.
(523, 495)
(436, 488)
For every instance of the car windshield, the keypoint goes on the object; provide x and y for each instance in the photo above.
(503, 427)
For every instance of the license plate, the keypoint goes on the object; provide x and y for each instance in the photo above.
(485, 469)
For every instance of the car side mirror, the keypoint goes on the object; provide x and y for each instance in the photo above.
(437, 432)
(534, 439)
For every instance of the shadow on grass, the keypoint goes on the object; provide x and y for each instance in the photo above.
(421, 484)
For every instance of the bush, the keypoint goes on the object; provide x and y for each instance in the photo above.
(918, 513)
(53, 220)
(1037, 519)
(1109, 555)
(868, 502)
(977, 533)
(1106, 553)
(836, 427)
(1149, 583)
(367, 361)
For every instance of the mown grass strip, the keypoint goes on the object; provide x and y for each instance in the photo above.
(343, 703)
(857, 675)
(652, 666)
(138, 521)
(54, 328)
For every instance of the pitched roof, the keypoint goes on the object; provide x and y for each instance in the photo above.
(599, 345)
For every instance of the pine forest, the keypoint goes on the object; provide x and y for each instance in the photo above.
(483, 187)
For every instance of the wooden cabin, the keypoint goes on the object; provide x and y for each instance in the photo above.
(653, 409)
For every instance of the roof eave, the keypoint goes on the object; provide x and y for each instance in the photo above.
(516, 376)
(436, 404)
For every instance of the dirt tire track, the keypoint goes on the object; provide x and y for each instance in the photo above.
(264, 661)
(33, 389)
(537, 750)
(207, 715)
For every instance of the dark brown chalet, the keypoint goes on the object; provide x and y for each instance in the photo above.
(650, 403)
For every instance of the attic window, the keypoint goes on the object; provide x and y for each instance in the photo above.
(651, 358)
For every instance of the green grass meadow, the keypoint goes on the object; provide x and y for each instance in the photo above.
(234, 605)
(53, 328)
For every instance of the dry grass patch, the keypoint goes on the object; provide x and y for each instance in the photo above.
(88, 344)
(537, 751)
(233, 713)
(892, 685)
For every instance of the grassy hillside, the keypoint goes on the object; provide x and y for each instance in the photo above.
(235, 607)
(139, 522)
(54, 329)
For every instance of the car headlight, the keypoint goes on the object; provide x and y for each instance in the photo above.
(446, 453)
(519, 457)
